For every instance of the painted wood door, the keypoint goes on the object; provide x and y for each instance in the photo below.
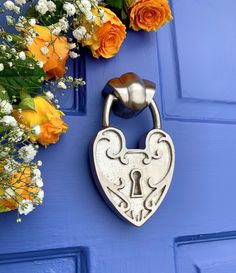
(193, 62)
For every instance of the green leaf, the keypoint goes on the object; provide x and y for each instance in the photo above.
(117, 4)
(27, 104)
(21, 77)
(24, 94)
(3, 94)
(18, 41)
(31, 12)
(2, 130)
(124, 16)
(47, 19)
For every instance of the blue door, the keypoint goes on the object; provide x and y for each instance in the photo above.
(193, 62)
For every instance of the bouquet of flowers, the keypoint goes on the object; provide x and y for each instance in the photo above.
(36, 41)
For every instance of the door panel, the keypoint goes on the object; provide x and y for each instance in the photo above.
(74, 224)
(73, 101)
(69, 260)
(206, 254)
(197, 62)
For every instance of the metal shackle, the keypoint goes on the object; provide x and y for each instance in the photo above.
(112, 98)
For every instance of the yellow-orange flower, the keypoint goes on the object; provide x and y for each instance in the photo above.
(47, 117)
(51, 50)
(21, 187)
(149, 15)
(107, 37)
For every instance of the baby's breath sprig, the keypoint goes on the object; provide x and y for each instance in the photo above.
(20, 179)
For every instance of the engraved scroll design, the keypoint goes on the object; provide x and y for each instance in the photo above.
(123, 151)
(124, 201)
(114, 162)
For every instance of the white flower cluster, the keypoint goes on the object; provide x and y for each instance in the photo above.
(5, 107)
(27, 153)
(11, 165)
(20, 2)
(8, 121)
(9, 53)
(85, 7)
(62, 25)
(23, 23)
(9, 5)
(26, 205)
(69, 8)
(44, 6)
(81, 6)
(79, 33)
(36, 177)
(16, 135)
(14, 6)
(18, 154)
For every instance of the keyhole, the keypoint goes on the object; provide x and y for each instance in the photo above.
(136, 190)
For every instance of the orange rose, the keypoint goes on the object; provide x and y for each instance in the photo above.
(149, 15)
(20, 187)
(47, 117)
(52, 50)
(107, 37)
(51, 131)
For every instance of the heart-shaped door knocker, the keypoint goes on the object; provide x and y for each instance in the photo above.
(133, 181)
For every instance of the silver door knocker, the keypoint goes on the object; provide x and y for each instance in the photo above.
(133, 181)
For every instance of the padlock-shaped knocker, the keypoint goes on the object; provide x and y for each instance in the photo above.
(133, 181)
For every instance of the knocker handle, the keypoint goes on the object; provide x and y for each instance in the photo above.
(130, 95)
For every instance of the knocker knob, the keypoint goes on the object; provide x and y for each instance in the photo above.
(128, 96)
(133, 94)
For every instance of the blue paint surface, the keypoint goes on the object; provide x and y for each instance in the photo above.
(193, 62)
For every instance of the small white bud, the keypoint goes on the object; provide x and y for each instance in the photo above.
(61, 85)
(22, 55)
(1, 67)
